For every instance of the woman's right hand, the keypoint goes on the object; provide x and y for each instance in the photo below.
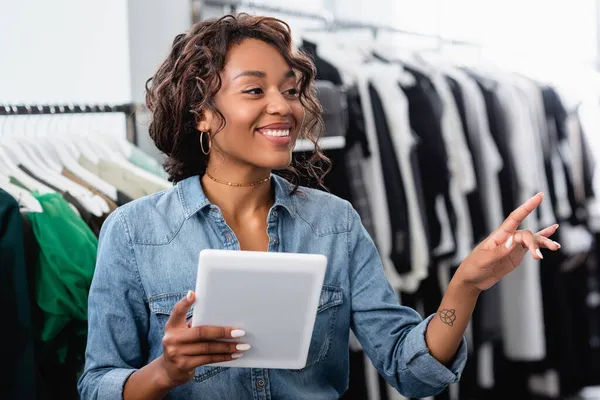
(186, 347)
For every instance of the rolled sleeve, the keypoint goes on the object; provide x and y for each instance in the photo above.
(113, 382)
(392, 335)
(424, 366)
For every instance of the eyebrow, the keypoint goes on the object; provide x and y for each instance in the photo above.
(261, 74)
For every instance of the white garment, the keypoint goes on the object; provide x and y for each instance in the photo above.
(523, 327)
(375, 184)
(384, 78)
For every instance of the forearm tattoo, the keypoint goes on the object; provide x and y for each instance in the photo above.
(448, 316)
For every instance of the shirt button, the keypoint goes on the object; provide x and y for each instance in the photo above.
(274, 213)
(275, 240)
(260, 383)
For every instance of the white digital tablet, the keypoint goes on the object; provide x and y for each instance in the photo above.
(273, 297)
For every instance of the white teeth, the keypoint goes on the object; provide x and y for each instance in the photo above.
(276, 133)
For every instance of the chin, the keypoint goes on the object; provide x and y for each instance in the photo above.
(278, 163)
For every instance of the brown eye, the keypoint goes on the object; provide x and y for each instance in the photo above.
(253, 91)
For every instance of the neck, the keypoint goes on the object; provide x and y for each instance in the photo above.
(235, 201)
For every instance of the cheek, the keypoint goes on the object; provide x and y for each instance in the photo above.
(240, 119)
(299, 114)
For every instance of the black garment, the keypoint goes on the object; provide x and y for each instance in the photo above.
(557, 117)
(480, 231)
(325, 70)
(357, 384)
(357, 150)
(337, 181)
(425, 111)
(18, 335)
(335, 108)
(93, 221)
(394, 188)
(499, 130)
(122, 198)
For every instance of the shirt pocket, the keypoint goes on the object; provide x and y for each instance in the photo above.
(330, 300)
(162, 306)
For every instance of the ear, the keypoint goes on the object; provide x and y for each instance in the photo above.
(206, 121)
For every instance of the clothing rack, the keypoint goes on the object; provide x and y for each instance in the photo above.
(331, 23)
(51, 109)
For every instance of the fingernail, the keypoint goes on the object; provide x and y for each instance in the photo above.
(236, 333)
(509, 242)
(541, 194)
(189, 295)
(556, 226)
(237, 355)
(558, 244)
(539, 253)
(243, 347)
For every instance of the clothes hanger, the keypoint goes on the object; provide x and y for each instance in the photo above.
(69, 156)
(27, 203)
(36, 163)
(11, 169)
(93, 203)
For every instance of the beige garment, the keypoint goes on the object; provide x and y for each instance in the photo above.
(111, 204)
(126, 181)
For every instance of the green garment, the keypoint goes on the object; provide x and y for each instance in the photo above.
(18, 335)
(65, 268)
(139, 158)
(16, 182)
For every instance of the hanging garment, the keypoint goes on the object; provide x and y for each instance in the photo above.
(335, 107)
(94, 222)
(68, 174)
(558, 185)
(131, 184)
(326, 71)
(394, 188)
(64, 272)
(395, 106)
(146, 162)
(18, 349)
(357, 149)
(521, 293)
(462, 180)
(425, 115)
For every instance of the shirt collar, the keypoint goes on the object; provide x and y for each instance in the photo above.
(193, 199)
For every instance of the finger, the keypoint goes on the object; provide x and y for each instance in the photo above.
(528, 242)
(549, 231)
(214, 358)
(204, 333)
(203, 348)
(178, 315)
(516, 217)
(547, 243)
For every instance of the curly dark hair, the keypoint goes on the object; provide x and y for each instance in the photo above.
(187, 81)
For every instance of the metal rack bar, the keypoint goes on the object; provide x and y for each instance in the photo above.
(51, 109)
(330, 22)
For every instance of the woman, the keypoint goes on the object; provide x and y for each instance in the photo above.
(228, 105)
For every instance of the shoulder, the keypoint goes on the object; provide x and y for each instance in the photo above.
(152, 219)
(323, 211)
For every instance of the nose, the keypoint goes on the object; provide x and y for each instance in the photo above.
(278, 104)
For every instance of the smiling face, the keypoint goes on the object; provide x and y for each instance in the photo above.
(258, 99)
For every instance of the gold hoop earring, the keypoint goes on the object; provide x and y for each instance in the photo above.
(206, 152)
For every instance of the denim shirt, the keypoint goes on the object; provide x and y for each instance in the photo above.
(147, 261)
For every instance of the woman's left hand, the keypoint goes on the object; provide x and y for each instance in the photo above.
(503, 251)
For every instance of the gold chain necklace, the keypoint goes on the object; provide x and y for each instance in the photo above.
(237, 184)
